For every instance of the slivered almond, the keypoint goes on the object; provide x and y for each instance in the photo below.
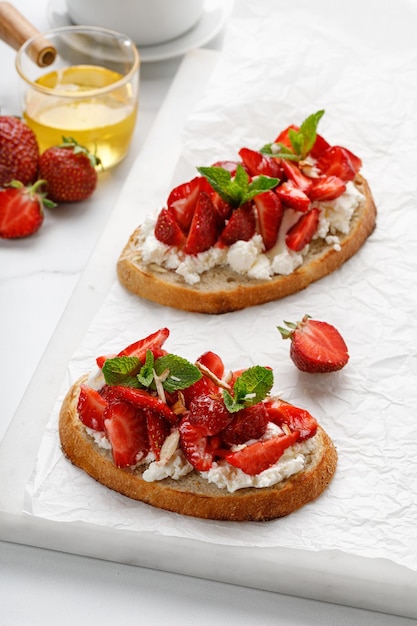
(169, 446)
(219, 382)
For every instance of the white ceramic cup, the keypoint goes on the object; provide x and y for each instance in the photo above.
(147, 22)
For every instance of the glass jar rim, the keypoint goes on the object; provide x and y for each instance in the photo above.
(73, 30)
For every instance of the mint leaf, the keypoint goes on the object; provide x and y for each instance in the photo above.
(181, 373)
(145, 376)
(306, 136)
(302, 140)
(251, 387)
(121, 370)
(238, 190)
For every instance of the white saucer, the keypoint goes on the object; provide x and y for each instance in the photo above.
(210, 24)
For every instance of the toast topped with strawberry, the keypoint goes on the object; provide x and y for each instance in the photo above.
(249, 231)
(193, 438)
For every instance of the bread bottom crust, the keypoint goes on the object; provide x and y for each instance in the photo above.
(222, 290)
(192, 495)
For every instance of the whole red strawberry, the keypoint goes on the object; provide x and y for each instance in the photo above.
(69, 170)
(19, 151)
(21, 209)
(316, 347)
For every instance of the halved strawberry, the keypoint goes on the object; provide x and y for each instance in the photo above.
(270, 212)
(292, 196)
(281, 413)
(195, 446)
(91, 406)
(257, 163)
(293, 173)
(203, 230)
(320, 146)
(209, 413)
(158, 430)
(143, 400)
(327, 188)
(182, 201)
(152, 342)
(303, 230)
(126, 430)
(340, 162)
(249, 423)
(257, 457)
(241, 226)
(316, 346)
(167, 230)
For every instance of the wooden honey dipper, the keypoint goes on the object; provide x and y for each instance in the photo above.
(15, 30)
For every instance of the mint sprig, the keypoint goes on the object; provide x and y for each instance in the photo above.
(251, 387)
(302, 140)
(238, 189)
(122, 370)
(181, 373)
(173, 371)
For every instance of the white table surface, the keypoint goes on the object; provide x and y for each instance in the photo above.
(37, 278)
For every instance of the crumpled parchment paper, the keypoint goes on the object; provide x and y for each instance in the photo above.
(280, 63)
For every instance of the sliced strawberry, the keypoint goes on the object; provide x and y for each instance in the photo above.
(222, 209)
(327, 188)
(209, 413)
(281, 413)
(257, 457)
(340, 162)
(284, 136)
(270, 212)
(230, 166)
(203, 230)
(167, 230)
(241, 226)
(152, 342)
(127, 433)
(249, 423)
(195, 446)
(143, 400)
(292, 196)
(158, 430)
(320, 146)
(316, 346)
(212, 362)
(182, 201)
(257, 163)
(293, 173)
(303, 230)
(91, 406)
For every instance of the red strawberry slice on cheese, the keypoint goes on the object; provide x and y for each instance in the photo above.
(257, 457)
(270, 212)
(126, 430)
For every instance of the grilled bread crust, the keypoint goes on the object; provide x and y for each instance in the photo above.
(222, 290)
(192, 495)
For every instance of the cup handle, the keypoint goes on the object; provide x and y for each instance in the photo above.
(15, 30)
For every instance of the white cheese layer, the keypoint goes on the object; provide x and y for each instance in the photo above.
(248, 257)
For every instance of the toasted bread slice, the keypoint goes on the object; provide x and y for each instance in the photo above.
(193, 495)
(221, 289)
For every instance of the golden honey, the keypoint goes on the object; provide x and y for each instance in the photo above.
(102, 121)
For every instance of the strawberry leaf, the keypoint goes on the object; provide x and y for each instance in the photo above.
(238, 189)
(251, 387)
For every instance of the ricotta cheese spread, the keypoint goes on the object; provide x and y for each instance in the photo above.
(248, 257)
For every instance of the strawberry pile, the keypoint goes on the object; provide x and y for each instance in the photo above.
(30, 181)
(151, 396)
(234, 200)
